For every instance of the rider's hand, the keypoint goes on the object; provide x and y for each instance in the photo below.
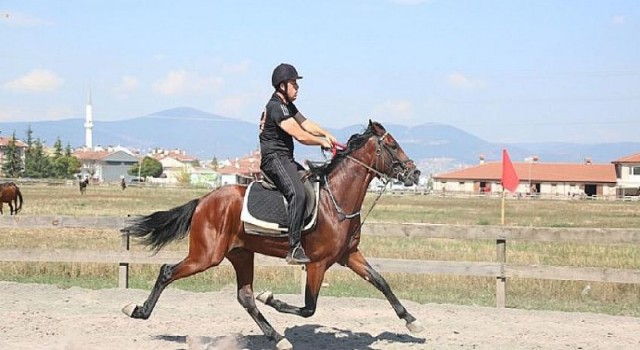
(325, 144)
(332, 140)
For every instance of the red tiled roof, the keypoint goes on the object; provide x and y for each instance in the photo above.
(634, 158)
(4, 141)
(184, 158)
(543, 172)
(248, 165)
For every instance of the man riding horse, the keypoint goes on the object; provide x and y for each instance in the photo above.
(281, 122)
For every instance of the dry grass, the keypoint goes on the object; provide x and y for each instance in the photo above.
(539, 294)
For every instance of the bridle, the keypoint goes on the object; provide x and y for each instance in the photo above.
(397, 168)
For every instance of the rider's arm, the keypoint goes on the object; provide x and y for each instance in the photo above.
(310, 126)
(314, 129)
(291, 126)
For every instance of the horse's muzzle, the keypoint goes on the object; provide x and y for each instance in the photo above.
(412, 177)
(409, 175)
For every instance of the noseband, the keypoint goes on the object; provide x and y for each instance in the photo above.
(397, 166)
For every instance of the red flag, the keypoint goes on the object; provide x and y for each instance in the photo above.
(510, 179)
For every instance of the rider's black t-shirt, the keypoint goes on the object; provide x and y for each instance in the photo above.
(273, 139)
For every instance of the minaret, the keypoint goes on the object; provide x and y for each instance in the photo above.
(88, 124)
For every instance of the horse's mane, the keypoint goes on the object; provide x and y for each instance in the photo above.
(356, 141)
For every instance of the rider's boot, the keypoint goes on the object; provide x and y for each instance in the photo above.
(296, 255)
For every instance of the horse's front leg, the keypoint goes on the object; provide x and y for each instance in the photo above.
(315, 276)
(357, 262)
(242, 261)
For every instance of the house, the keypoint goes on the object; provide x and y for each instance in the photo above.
(628, 175)
(21, 148)
(205, 177)
(107, 165)
(177, 166)
(536, 178)
(241, 171)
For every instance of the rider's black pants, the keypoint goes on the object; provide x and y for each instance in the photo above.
(283, 171)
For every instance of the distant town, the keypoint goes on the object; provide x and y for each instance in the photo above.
(618, 179)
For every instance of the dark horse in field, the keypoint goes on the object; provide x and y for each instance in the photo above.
(216, 232)
(10, 193)
(83, 185)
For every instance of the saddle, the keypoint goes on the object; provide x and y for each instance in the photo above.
(264, 210)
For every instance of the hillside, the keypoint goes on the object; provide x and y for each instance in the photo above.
(435, 147)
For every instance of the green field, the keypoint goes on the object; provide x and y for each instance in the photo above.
(619, 299)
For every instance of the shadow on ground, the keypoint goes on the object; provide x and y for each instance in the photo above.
(307, 337)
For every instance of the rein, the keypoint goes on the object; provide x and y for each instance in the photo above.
(384, 177)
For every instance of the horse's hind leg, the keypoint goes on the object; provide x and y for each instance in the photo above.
(242, 261)
(315, 276)
(357, 262)
(164, 279)
(11, 208)
(199, 259)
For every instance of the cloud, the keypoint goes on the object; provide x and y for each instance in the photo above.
(127, 85)
(459, 80)
(37, 80)
(178, 82)
(618, 20)
(397, 110)
(20, 19)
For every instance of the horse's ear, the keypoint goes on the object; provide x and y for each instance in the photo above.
(370, 123)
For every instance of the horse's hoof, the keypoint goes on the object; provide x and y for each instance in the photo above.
(284, 344)
(415, 327)
(264, 297)
(129, 309)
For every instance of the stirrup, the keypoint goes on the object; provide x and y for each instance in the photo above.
(297, 256)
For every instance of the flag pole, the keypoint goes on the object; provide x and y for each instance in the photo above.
(502, 209)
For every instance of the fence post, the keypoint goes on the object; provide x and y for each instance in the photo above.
(123, 268)
(303, 280)
(501, 280)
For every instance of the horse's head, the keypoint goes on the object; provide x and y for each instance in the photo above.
(386, 156)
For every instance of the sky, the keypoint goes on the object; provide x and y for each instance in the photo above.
(505, 71)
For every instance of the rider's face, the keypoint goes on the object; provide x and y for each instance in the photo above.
(292, 90)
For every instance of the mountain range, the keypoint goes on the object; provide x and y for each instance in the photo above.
(434, 147)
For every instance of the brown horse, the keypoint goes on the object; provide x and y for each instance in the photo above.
(10, 193)
(216, 232)
(83, 185)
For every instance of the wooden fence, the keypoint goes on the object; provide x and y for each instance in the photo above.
(498, 269)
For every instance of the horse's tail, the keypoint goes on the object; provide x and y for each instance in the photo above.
(162, 227)
(18, 200)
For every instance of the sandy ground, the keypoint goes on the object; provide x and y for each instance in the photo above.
(45, 317)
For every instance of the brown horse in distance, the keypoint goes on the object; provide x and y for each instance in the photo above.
(10, 193)
(216, 232)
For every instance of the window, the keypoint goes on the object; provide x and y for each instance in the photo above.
(634, 170)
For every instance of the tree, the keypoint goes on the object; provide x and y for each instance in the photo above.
(66, 167)
(150, 167)
(37, 163)
(214, 163)
(12, 166)
(183, 176)
(58, 165)
(57, 149)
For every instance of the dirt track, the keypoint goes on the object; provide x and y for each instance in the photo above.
(45, 317)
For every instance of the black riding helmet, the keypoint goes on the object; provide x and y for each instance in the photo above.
(282, 73)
